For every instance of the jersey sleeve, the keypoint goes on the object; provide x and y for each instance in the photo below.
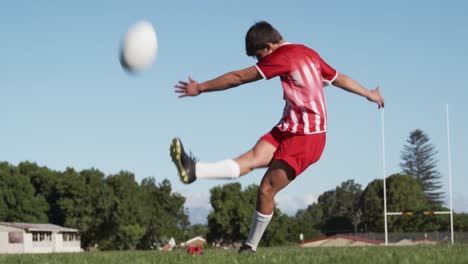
(329, 74)
(273, 65)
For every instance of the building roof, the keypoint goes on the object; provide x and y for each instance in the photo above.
(340, 240)
(195, 239)
(39, 227)
(198, 239)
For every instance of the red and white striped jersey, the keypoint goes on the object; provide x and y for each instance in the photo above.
(302, 72)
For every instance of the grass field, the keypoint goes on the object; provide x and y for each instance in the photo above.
(410, 255)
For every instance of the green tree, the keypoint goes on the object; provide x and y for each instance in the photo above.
(78, 200)
(371, 205)
(277, 232)
(232, 213)
(337, 225)
(83, 202)
(419, 161)
(404, 194)
(114, 212)
(3, 206)
(342, 202)
(44, 182)
(125, 225)
(18, 201)
(327, 202)
(164, 214)
(173, 206)
(97, 201)
(232, 216)
(306, 222)
(460, 222)
(197, 230)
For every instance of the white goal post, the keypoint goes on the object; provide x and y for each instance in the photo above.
(450, 212)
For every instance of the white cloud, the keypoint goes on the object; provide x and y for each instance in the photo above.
(289, 204)
(198, 200)
(198, 215)
(460, 203)
(198, 205)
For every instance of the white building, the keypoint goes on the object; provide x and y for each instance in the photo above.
(38, 238)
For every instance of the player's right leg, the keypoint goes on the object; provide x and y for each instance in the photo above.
(259, 156)
(190, 169)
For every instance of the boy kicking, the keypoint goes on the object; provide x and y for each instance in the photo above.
(296, 142)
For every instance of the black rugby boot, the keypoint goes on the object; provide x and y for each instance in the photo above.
(185, 163)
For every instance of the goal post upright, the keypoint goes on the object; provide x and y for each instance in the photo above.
(449, 173)
(383, 175)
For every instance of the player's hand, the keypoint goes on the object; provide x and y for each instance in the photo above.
(376, 97)
(190, 88)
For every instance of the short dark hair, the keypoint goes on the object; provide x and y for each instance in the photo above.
(259, 35)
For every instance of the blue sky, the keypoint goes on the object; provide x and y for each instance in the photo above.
(65, 101)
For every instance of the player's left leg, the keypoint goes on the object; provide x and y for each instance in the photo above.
(293, 155)
(278, 176)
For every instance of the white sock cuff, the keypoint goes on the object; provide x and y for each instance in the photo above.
(225, 169)
(262, 217)
(235, 168)
(259, 225)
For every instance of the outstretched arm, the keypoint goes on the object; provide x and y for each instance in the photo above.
(352, 86)
(223, 82)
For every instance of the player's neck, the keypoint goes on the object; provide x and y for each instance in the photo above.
(277, 45)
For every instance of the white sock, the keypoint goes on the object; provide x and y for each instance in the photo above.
(225, 169)
(259, 225)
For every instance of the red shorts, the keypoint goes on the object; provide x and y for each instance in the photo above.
(298, 151)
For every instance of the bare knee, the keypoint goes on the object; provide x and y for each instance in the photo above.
(265, 199)
(253, 159)
(266, 191)
(278, 176)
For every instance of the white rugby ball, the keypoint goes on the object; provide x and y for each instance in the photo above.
(139, 47)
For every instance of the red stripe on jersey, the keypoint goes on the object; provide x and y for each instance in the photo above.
(302, 72)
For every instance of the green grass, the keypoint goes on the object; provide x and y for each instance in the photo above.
(401, 255)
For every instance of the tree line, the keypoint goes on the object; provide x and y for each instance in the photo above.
(115, 212)
(112, 212)
(348, 208)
